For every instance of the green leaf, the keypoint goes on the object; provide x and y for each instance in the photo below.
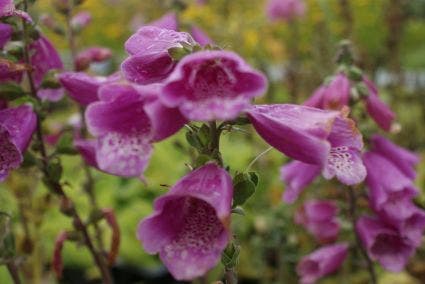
(65, 145)
(11, 91)
(254, 178)
(243, 188)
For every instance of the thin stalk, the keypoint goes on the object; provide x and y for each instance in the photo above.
(257, 158)
(13, 271)
(352, 200)
(57, 187)
(230, 276)
(89, 184)
(215, 134)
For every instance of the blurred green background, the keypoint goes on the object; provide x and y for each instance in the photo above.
(389, 42)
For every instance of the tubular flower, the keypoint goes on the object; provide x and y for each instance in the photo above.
(168, 21)
(16, 128)
(335, 95)
(83, 88)
(319, 218)
(90, 55)
(321, 262)
(125, 121)
(377, 109)
(149, 60)
(5, 34)
(405, 160)
(385, 244)
(211, 85)
(45, 58)
(200, 36)
(190, 225)
(297, 175)
(284, 9)
(389, 188)
(81, 20)
(8, 9)
(313, 136)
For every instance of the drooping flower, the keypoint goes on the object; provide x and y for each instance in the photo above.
(149, 60)
(200, 36)
(313, 136)
(81, 20)
(297, 175)
(319, 218)
(405, 160)
(334, 95)
(125, 121)
(389, 188)
(284, 9)
(90, 55)
(82, 87)
(377, 109)
(8, 9)
(45, 58)
(16, 128)
(11, 71)
(211, 85)
(384, 243)
(321, 262)
(168, 21)
(5, 34)
(190, 225)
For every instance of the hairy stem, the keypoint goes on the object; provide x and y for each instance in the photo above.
(352, 199)
(57, 187)
(89, 183)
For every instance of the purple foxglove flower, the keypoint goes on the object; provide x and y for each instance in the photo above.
(413, 227)
(83, 88)
(377, 109)
(87, 149)
(389, 188)
(190, 225)
(209, 85)
(402, 158)
(90, 55)
(335, 95)
(384, 243)
(321, 262)
(284, 9)
(125, 121)
(16, 128)
(7, 9)
(5, 34)
(316, 100)
(81, 20)
(200, 36)
(319, 218)
(314, 136)
(149, 60)
(297, 175)
(45, 58)
(10, 71)
(52, 95)
(168, 21)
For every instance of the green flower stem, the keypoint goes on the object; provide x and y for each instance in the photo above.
(90, 182)
(56, 186)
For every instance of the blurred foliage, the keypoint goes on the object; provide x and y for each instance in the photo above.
(271, 243)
